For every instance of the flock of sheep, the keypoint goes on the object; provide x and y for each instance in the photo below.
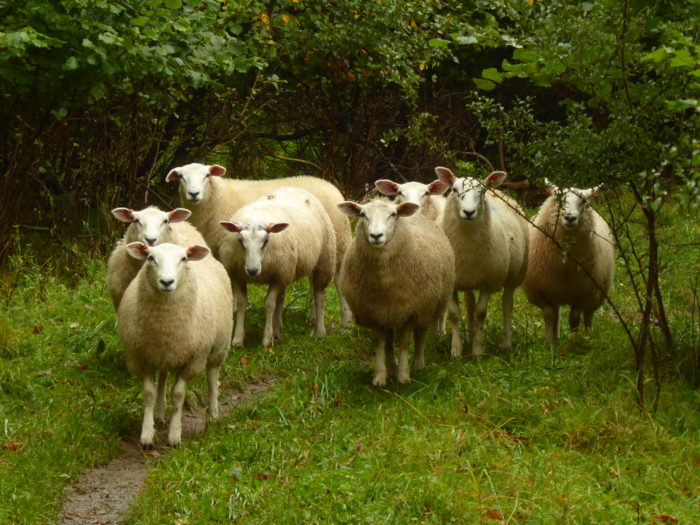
(177, 277)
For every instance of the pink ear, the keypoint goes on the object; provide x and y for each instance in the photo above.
(179, 214)
(276, 228)
(172, 175)
(123, 214)
(437, 187)
(407, 209)
(137, 250)
(234, 227)
(217, 170)
(349, 208)
(386, 186)
(495, 179)
(445, 175)
(197, 253)
(549, 190)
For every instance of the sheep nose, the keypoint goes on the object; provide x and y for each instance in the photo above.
(376, 237)
(252, 271)
(166, 284)
(468, 214)
(193, 195)
(569, 218)
(150, 242)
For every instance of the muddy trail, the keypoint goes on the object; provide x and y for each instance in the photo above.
(103, 495)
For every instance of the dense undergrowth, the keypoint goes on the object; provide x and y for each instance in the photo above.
(506, 437)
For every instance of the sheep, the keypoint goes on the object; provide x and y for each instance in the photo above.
(150, 226)
(175, 317)
(572, 259)
(212, 199)
(427, 196)
(398, 274)
(276, 240)
(488, 232)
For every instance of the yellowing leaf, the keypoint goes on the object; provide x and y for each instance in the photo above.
(285, 19)
(265, 19)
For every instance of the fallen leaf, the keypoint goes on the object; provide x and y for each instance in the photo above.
(492, 514)
(270, 351)
(84, 367)
(37, 329)
(665, 518)
(14, 447)
(244, 361)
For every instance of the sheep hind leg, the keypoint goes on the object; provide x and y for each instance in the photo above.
(160, 398)
(470, 303)
(175, 430)
(551, 323)
(588, 320)
(419, 349)
(279, 310)
(390, 360)
(507, 306)
(319, 307)
(345, 312)
(149, 399)
(453, 314)
(380, 360)
(270, 307)
(242, 305)
(574, 319)
(404, 376)
(479, 317)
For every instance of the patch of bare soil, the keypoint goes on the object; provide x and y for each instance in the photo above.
(102, 496)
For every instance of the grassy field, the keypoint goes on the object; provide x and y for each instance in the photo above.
(506, 437)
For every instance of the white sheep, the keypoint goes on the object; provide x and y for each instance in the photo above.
(398, 274)
(175, 317)
(427, 196)
(572, 259)
(150, 226)
(212, 199)
(488, 232)
(277, 240)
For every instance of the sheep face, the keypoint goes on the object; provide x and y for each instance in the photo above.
(151, 225)
(194, 180)
(377, 218)
(572, 203)
(165, 263)
(414, 192)
(468, 193)
(254, 239)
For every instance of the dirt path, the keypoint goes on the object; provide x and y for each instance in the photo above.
(103, 495)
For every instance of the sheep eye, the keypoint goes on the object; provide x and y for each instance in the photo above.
(165, 221)
(393, 215)
(135, 221)
(240, 240)
(265, 242)
(150, 258)
(184, 259)
(362, 214)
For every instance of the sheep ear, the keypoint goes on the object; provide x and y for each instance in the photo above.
(179, 214)
(438, 187)
(594, 191)
(386, 186)
(445, 175)
(276, 228)
(123, 214)
(234, 227)
(137, 250)
(407, 209)
(350, 208)
(495, 179)
(551, 186)
(197, 253)
(217, 170)
(173, 174)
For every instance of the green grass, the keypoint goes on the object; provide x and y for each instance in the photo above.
(504, 436)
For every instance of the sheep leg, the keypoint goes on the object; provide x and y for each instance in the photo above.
(175, 430)
(574, 319)
(319, 304)
(419, 349)
(213, 383)
(270, 305)
(480, 316)
(453, 314)
(389, 353)
(470, 302)
(404, 376)
(345, 313)
(588, 320)
(149, 400)
(279, 309)
(160, 399)
(242, 304)
(507, 307)
(312, 307)
(551, 323)
(380, 360)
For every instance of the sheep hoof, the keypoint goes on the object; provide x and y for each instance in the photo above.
(237, 343)
(379, 380)
(404, 379)
(147, 446)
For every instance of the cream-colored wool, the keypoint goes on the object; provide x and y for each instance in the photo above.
(306, 248)
(183, 332)
(403, 285)
(491, 252)
(121, 268)
(219, 198)
(428, 196)
(579, 274)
